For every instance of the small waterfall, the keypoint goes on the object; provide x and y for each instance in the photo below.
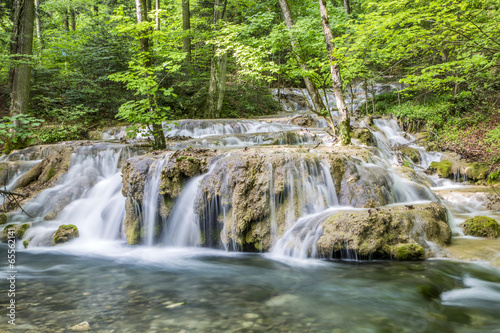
(88, 196)
(272, 205)
(150, 202)
(183, 225)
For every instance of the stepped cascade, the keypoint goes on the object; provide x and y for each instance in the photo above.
(276, 186)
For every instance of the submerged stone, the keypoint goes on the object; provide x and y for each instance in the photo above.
(65, 233)
(481, 226)
(83, 326)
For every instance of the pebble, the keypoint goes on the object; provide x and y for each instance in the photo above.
(83, 326)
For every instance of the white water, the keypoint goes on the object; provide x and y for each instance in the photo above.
(151, 198)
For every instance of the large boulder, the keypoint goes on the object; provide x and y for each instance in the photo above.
(481, 226)
(396, 232)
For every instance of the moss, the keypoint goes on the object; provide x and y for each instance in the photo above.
(6, 233)
(363, 135)
(3, 218)
(51, 173)
(411, 153)
(481, 226)
(26, 242)
(21, 230)
(345, 133)
(409, 251)
(477, 171)
(443, 168)
(65, 233)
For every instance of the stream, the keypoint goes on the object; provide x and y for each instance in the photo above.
(178, 279)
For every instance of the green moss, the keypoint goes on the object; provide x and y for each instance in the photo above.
(21, 230)
(409, 251)
(411, 153)
(345, 134)
(65, 233)
(178, 159)
(5, 234)
(363, 135)
(51, 173)
(481, 226)
(443, 168)
(26, 242)
(477, 171)
(3, 218)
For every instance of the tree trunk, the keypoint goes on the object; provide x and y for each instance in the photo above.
(38, 22)
(217, 85)
(157, 6)
(318, 104)
(21, 49)
(142, 16)
(345, 126)
(347, 7)
(73, 19)
(186, 26)
(66, 21)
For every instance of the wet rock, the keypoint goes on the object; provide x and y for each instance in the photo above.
(481, 226)
(443, 168)
(26, 243)
(302, 121)
(3, 218)
(362, 134)
(83, 326)
(21, 230)
(411, 153)
(183, 165)
(381, 232)
(409, 251)
(9, 230)
(65, 233)
(477, 171)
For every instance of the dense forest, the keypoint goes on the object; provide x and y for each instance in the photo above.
(95, 63)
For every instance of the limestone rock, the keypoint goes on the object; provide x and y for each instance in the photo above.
(481, 226)
(381, 232)
(65, 233)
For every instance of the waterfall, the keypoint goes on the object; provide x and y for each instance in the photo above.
(150, 202)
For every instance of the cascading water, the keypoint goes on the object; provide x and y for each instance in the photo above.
(150, 202)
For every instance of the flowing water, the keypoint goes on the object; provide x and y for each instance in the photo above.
(172, 283)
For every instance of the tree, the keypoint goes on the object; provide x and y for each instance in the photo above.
(345, 126)
(21, 51)
(218, 69)
(186, 26)
(142, 17)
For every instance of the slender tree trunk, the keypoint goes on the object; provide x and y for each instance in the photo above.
(21, 49)
(157, 6)
(345, 126)
(318, 104)
(218, 66)
(186, 26)
(347, 7)
(142, 16)
(66, 21)
(73, 19)
(38, 22)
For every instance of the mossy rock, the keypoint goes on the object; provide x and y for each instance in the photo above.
(5, 233)
(21, 230)
(26, 243)
(411, 153)
(65, 233)
(477, 171)
(410, 251)
(363, 135)
(481, 226)
(3, 218)
(443, 168)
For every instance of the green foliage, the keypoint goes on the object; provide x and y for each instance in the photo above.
(57, 133)
(493, 137)
(18, 130)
